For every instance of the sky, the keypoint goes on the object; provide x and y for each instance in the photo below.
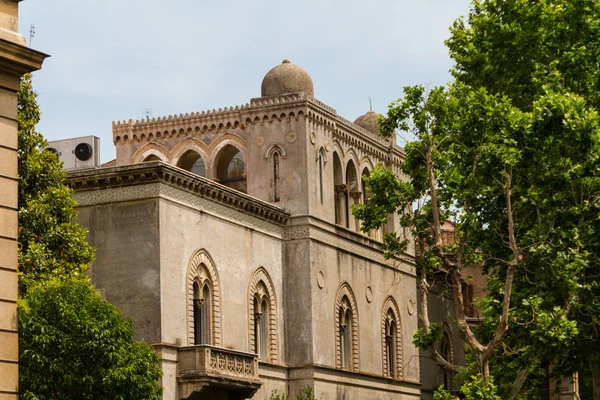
(116, 59)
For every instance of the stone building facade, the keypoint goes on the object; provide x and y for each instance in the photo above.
(15, 60)
(227, 235)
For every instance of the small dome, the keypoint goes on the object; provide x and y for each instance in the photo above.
(369, 122)
(287, 78)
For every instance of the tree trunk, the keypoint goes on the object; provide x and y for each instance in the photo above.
(518, 383)
(595, 367)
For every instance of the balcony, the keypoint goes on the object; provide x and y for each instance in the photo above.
(213, 372)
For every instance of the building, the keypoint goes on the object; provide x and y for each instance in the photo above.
(15, 60)
(227, 235)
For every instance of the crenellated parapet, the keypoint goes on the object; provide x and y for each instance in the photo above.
(260, 111)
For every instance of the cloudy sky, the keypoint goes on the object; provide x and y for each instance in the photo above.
(115, 59)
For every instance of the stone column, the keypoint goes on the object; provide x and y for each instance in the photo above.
(15, 60)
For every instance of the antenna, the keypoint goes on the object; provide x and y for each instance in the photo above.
(31, 33)
(370, 104)
(148, 113)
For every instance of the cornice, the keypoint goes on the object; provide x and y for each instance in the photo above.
(159, 172)
(19, 60)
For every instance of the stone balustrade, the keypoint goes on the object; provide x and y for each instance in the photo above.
(202, 368)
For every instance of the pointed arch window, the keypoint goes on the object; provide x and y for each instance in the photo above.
(276, 177)
(391, 340)
(203, 305)
(346, 329)
(263, 317)
(345, 339)
(193, 162)
(321, 177)
(446, 353)
(391, 331)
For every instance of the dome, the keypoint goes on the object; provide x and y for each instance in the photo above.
(369, 122)
(287, 78)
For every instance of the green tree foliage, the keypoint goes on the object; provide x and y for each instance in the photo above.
(72, 343)
(75, 345)
(520, 49)
(50, 243)
(510, 152)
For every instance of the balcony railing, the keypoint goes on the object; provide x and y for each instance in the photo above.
(205, 368)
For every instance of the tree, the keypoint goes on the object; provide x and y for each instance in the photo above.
(517, 49)
(72, 343)
(76, 345)
(510, 152)
(50, 242)
(513, 158)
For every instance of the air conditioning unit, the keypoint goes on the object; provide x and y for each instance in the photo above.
(77, 153)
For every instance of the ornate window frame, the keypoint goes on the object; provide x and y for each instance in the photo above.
(390, 306)
(261, 279)
(345, 291)
(201, 269)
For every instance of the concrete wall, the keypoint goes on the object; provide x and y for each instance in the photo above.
(127, 266)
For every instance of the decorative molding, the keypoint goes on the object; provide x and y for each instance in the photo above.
(320, 279)
(391, 305)
(291, 137)
(202, 269)
(275, 147)
(345, 291)
(261, 276)
(156, 179)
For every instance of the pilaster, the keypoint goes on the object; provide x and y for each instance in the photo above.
(15, 60)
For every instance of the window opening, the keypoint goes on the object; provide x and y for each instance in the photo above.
(276, 177)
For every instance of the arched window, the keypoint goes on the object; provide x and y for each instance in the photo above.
(446, 353)
(353, 194)
(262, 316)
(202, 311)
(321, 166)
(391, 330)
(365, 174)
(203, 306)
(340, 191)
(346, 329)
(231, 168)
(261, 328)
(391, 340)
(276, 177)
(193, 162)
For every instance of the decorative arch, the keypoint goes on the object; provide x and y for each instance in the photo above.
(323, 153)
(261, 280)
(337, 148)
(391, 314)
(276, 147)
(189, 144)
(345, 299)
(229, 138)
(351, 156)
(150, 149)
(201, 270)
(365, 163)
